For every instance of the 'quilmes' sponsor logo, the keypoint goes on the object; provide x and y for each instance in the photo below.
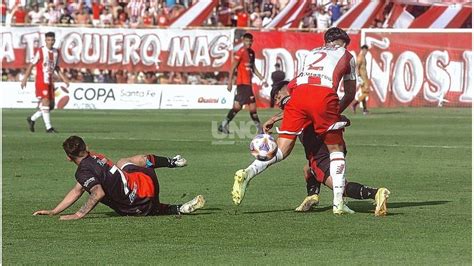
(208, 100)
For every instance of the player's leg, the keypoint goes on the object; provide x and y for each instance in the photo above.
(191, 206)
(292, 125)
(153, 161)
(244, 176)
(254, 117)
(45, 106)
(45, 110)
(337, 167)
(325, 117)
(312, 189)
(356, 101)
(359, 191)
(31, 120)
(224, 126)
(249, 98)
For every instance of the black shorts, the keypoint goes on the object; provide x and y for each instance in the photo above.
(244, 94)
(142, 206)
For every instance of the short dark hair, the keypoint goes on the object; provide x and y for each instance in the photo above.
(248, 36)
(276, 87)
(364, 47)
(336, 33)
(277, 65)
(74, 146)
(50, 34)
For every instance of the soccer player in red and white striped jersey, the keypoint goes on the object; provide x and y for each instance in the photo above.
(314, 100)
(46, 60)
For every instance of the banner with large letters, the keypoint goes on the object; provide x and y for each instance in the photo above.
(119, 48)
(419, 67)
(121, 96)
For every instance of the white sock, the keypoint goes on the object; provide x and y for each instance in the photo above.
(46, 118)
(337, 169)
(225, 123)
(36, 115)
(259, 166)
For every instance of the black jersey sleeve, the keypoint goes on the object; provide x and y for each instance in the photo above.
(87, 179)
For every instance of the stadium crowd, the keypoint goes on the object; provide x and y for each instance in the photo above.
(153, 13)
(122, 76)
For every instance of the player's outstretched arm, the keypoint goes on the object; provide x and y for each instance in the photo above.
(69, 199)
(270, 122)
(97, 193)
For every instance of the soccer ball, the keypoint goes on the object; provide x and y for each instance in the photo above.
(263, 147)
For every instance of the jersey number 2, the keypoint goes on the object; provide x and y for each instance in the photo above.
(313, 66)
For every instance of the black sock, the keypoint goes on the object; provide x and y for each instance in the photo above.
(256, 121)
(154, 161)
(312, 185)
(231, 115)
(358, 191)
(254, 117)
(313, 188)
(168, 209)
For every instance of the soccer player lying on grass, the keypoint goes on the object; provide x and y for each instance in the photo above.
(317, 154)
(314, 100)
(129, 187)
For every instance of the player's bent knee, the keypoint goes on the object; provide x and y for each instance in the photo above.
(45, 102)
(122, 162)
(334, 138)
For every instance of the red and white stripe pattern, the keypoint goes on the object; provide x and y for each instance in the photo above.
(399, 17)
(195, 15)
(291, 15)
(361, 15)
(440, 17)
(136, 7)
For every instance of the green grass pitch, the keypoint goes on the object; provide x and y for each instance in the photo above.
(422, 155)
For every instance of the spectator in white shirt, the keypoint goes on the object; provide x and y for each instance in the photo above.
(323, 20)
(36, 16)
(106, 18)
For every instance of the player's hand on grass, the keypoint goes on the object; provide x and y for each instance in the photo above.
(69, 217)
(345, 119)
(178, 161)
(44, 212)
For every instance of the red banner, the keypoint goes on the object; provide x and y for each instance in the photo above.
(128, 49)
(288, 49)
(419, 68)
